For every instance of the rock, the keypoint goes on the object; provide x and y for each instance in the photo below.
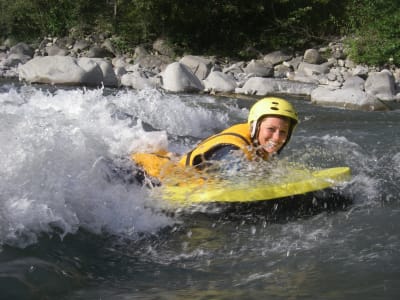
(294, 62)
(313, 69)
(66, 70)
(259, 68)
(99, 52)
(22, 49)
(155, 63)
(10, 42)
(219, 82)
(381, 85)
(163, 47)
(354, 82)
(14, 59)
(312, 56)
(81, 45)
(360, 71)
(264, 86)
(108, 45)
(139, 81)
(177, 77)
(55, 50)
(199, 66)
(235, 68)
(140, 51)
(349, 98)
(108, 74)
(277, 57)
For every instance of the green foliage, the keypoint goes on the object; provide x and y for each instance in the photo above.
(375, 31)
(224, 27)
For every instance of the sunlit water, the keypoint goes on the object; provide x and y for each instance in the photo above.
(75, 225)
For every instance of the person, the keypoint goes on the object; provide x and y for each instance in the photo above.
(269, 127)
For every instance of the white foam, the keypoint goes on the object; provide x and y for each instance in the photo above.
(55, 157)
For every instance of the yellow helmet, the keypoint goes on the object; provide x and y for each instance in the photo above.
(272, 106)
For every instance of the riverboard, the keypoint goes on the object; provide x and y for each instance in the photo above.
(226, 191)
(186, 190)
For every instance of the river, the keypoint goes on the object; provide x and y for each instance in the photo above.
(72, 227)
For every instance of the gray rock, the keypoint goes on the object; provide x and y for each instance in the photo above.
(177, 77)
(81, 45)
(259, 68)
(99, 52)
(354, 82)
(219, 82)
(138, 81)
(349, 98)
(282, 71)
(381, 85)
(277, 57)
(67, 71)
(55, 50)
(108, 74)
(312, 56)
(22, 49)
(199, 66)
(163, 47)
(155, 63)
(264, 86)
(14, 59)
(361, 71)
(313, 69)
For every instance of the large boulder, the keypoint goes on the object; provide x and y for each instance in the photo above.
(109, 77)
(67, 71)
(177, 77)
(349, 98)
(199, 66)
(219, 82)
(381, 85)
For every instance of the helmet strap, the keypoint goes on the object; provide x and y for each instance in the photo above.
(253, 130)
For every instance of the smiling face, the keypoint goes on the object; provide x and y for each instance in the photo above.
(272, 133)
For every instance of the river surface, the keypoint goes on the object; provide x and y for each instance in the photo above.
(73, 225)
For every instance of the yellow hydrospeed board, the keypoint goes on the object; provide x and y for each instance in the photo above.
(182, 187)
(257, 191)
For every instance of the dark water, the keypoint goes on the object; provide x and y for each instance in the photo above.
(70, 228)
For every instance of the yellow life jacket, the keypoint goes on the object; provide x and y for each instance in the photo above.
(237, 135)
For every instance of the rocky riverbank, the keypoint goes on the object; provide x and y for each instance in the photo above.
(325, 76)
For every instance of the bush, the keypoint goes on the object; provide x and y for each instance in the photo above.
(375, 31)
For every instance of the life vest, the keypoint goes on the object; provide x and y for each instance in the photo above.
(237, 135)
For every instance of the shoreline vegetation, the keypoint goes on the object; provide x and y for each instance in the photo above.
(144, 45)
